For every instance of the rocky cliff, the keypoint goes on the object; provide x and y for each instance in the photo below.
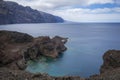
(12, 13)
(17, 48)
(110, 70)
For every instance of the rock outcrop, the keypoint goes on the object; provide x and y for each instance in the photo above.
(7, 74)
(110, 70)
(13, 13)
(17, 48)
(113, 74)
(111, 60)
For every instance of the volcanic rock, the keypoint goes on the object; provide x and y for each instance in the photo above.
(111, 60)
(17, 48)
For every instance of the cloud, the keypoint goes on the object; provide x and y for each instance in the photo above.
(89, 15)
(100, 1)
(69, 10)
(53, 4)
(117, 2)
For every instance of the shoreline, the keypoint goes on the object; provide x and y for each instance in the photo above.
(23, 47)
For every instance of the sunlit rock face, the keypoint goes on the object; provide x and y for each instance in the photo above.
(12, 13)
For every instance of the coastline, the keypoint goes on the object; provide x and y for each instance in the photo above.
(13, 65)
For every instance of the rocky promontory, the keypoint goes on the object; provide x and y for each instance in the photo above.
(17, 48)
(13, 13)
(110, 69)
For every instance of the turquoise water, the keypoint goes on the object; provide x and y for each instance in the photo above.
(87, 43)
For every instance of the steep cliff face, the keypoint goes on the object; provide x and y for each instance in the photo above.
(11, 12)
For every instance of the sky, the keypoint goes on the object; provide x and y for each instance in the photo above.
(78, 10)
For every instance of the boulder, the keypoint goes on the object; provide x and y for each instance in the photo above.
(22, 64)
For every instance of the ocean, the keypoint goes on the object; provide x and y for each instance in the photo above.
(86, 45)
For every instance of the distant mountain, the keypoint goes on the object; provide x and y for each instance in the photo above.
(12, 13)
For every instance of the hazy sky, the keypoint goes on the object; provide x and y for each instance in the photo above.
(78, 10)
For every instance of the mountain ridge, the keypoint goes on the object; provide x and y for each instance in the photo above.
(13, 13)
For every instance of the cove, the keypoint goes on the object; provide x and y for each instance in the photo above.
(86, 44)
